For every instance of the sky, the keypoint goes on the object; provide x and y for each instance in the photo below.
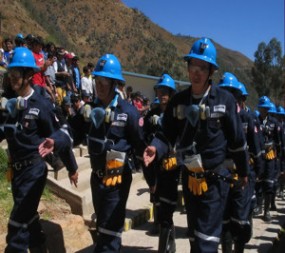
(238, 25)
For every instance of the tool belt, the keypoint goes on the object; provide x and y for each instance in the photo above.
(19, 165)
(209, 174)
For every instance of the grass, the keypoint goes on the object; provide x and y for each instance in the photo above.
(6, 199)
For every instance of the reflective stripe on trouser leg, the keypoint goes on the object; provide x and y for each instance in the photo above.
(110, 205)
(109, 232)
(22, 225)
(167, 192)
(206, 214)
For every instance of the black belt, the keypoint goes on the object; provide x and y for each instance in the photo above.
(113, 172)
(25, 163)
(211, 175)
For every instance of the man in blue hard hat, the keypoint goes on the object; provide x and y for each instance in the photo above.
(204, 122)
(33, 132)
(115, 132)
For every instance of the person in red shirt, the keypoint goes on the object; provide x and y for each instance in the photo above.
(39, 78)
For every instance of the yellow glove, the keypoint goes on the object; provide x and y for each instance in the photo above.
(197, 186)
(169, 163)
(270, 155)
(112, 180)
(235, 177)
(251, 161)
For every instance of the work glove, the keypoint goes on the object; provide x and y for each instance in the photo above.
(270, 155)
(3, 102)
(234, 177)
(87, 112)
(155, 119)
(195, 185)
(169, 163)
(116, 178)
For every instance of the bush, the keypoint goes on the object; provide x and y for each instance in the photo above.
(3, 163)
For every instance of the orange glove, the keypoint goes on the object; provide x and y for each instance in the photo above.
(112, 180)
(169, 163)
(195, 185)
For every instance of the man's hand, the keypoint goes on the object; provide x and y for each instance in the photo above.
(46, 147)
(149, 155)
(73, 177)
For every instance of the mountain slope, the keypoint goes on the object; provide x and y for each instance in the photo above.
(93, 28)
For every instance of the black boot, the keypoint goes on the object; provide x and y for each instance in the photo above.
(273, 205)
(38, 249)
(171, 242)
(155, 228)
(258, 209)
(226, 242)
(163, 243)
(239, 247)
(267, 202)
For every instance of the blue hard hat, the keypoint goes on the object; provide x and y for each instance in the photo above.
(203, 49)
(280, 110)
(109, 66)
(257, 113)
(229, 80)
(272, 108)
(23, 58)
(166, 81)
(264, 102)
(19, 36)
(242, 88)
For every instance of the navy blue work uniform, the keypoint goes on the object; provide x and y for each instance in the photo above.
(238, 212)
(121, 131)
(282, 161)
(217, 130)
(166, 181)
(278, 164)
(32, 125)
(271, 137)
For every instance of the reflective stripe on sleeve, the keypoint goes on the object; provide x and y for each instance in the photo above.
(244, 147)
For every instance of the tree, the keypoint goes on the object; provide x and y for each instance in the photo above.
(267, 72)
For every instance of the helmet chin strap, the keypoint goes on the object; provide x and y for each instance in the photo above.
(22, 85)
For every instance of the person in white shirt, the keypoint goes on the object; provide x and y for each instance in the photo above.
(86, 82)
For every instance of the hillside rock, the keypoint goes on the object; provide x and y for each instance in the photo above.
(65, 232)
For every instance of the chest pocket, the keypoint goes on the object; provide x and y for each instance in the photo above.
(214, 124)
(29, 123)
(117, 129)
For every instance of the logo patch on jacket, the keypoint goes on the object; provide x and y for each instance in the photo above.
(34, 111)
(220, 108)
(122, 117)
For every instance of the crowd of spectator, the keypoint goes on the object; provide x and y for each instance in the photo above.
(63, 80)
